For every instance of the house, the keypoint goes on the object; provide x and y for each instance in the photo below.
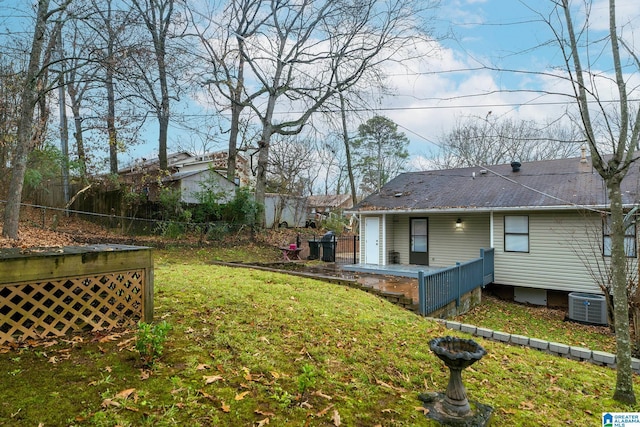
(190, 184)
(320, 206)
(186, 172)
(546, 221)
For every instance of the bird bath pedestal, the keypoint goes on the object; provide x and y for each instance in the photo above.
(453, 408)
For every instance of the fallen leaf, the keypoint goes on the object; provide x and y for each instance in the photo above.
(202, 367)
(124, 394)
(398, 389)
(319, 393)
(263, 422)
(205, 395)
(275, 375)
(266, 414)
(324, 411)
(247, 374)
(109, 402)
(125, 343)
(225, 407)
(422, 409)
(144, 374)
(108, 338)
(53, 360)
(389, 410)
(210, 379)
(241, 395)
(526, 405)
(336, 418)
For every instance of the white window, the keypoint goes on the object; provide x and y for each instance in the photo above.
(516, 233)
(629, 238)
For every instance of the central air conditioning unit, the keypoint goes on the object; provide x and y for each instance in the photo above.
(588, 308)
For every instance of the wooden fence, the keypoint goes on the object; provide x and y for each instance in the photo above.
(56, 292)
(439, 288)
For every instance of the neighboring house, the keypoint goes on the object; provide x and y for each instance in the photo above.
(190, 184)
(545, 220)
(323, 204)
(185, 172)
(319, 207)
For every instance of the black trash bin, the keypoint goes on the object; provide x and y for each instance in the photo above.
(328, 247)
(314, 249)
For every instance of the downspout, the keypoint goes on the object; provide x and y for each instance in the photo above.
(384, 239)
(491, 235)
(361, 240)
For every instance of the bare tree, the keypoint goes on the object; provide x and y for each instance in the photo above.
(306, 53)
(397, 37)
(159, 20)
(33, 92)
(619, 132)
(490, 141)
(223, 43)
(10, 83)
(290, 159)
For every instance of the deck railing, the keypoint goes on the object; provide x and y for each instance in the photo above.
(439, 288)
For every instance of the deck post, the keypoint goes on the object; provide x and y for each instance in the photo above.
(483, 266)
(354, 249)
(459, 280)
(422, 293)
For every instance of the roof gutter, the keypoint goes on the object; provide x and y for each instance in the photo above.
(484, 209)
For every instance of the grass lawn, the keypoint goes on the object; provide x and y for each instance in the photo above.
(251, 348)
(538, 322)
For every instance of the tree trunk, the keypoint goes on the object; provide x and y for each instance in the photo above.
(23, 145)
(163, 114)
(77, 134)
(236, 110)
(111, 115)
(261, 173)
(624, 378)
(161, 52)
(64, 123)
(233, 142)
(347, 150)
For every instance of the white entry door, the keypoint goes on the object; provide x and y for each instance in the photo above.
(371, 240)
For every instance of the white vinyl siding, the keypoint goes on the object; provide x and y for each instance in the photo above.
(447, 245)
(560, 243)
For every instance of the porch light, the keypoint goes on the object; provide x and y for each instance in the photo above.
(458, 224)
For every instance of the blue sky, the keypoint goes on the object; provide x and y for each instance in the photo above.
(428, 102)
(489, 32)
(505, 34)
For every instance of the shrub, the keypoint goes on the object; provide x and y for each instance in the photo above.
(150, 341)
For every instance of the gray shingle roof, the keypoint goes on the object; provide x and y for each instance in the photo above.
(543, 184)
